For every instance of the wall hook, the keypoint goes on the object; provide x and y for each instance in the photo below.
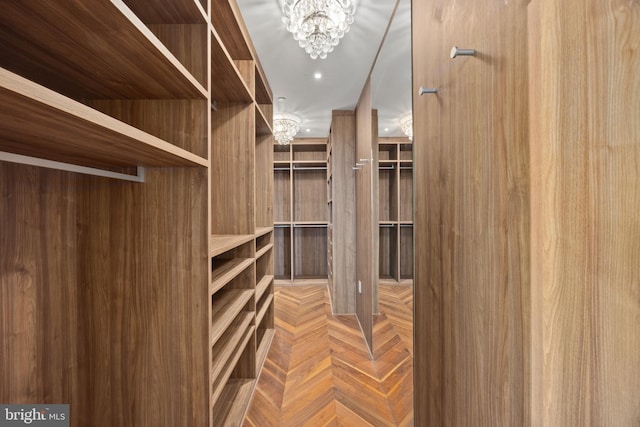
(456, 51)
(424, 90)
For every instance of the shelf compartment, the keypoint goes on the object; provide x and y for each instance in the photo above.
(68, 131)
(263, 125)
(219, 383)
(388, 194)
(282, 195)
(263, 306)
(225, 306)
(233, 402)
(309, 153)
(406, 252)
(282, 251)
(406, 152)
(388, 252)
(309, 195)
(263, 285)
(310, 246)
(227, 84)
(263, 91)
(220, 243)
(227, 19)
(281, 154)
(387, 152)
(406, 195)
(223, 349)
(225, 270)
(127, 60)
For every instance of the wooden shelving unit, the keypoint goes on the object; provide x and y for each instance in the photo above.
(300, 210)
(123, 305)
(395, 168)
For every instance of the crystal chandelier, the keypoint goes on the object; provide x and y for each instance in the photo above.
(285, 127)
(406, 124)
(318, 25)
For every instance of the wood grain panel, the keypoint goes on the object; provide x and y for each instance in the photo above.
(471, 214)
(282, 195)
(169, 11)
(343, 193)
(367, 216)
(585, 98)
(144, 289)
(39, 306)
(232, 169)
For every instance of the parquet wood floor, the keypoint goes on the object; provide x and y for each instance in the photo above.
(319, 371)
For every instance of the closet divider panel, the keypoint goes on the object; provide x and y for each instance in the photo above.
(471, 213)
(142, 270)
(40, 305)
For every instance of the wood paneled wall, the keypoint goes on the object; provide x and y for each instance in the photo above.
(585, 207)
(525, 213)
(471, 217)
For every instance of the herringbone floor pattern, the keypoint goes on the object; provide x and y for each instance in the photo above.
(319, 371)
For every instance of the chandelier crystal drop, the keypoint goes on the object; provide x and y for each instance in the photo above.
(406, 124)
(285, 127)
(318, 25)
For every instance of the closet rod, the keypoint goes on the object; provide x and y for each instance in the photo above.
(68, 167)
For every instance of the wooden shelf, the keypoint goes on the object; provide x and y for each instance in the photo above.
(220, 243)
(224, 348)
(262, 286)
(263, 347)
(218, 384)
(263, 91)
(264, 250)
(225, 307)
(68, 131)
(169, 11)
(261, 231)
(263, 308)
(227, 270)
(233, 402)
(227, 84)
(107, 52)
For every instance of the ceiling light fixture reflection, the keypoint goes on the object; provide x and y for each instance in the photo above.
(406, 123)
(285, 127)
(318, 25)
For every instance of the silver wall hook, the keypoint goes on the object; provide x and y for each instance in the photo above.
(424, 90)
(456, 51)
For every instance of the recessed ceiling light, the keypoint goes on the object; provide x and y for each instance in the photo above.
(317, 75)
(308, 130)
(386, 129)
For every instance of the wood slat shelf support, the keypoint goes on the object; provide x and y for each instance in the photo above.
(264, 250)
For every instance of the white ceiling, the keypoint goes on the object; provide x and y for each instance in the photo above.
(290, 71)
